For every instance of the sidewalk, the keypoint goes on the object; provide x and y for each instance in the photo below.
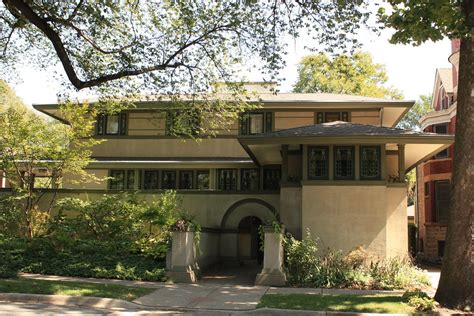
(205, 296)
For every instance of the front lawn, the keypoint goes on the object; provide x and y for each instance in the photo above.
(380, 303)
(21, 285)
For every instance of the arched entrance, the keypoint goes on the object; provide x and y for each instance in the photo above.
(249, 241)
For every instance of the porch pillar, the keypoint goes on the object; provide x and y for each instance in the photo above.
(284, 164)
(272, 273)
(181, 260)
(401, 162)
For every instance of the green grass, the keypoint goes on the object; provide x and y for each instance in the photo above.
(380, 303)
(21, 285)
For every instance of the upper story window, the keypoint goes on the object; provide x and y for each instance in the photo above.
(182, 122)
(151, 179)
(186, 179)
(370, 162)
(112, 124)
(168, 179)
(344, 163)
(442, 197)
(256, 123)
(328, 117)
(441, 129)
(318, 162)
(202, 180)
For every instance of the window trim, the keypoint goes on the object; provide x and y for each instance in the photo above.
(268, 122)
(162, 177)
(219, 175)
(242, 170)
(101, 124)
(143, 180)
(180, 172)
(125, 182)
(436, 207)
(379, 167)
(320, 116)
(198, 171)
(326, 176)
(267, 168)
(353, 163)
(445, 152)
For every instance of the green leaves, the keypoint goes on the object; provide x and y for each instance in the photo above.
(344, 74)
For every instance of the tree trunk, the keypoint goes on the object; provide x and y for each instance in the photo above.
(456, 286)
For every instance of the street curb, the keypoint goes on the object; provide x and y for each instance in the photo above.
(296, 312)
(90, 301)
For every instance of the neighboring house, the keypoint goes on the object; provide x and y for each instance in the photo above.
(434, 176)
(330, 163)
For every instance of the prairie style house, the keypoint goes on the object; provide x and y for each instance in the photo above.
(333, 164)
(434, 176)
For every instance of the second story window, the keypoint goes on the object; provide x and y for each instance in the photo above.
(344, 163)
(227, 179)
(112, 124)
(441, 129)
(256, 123)
(370, 162)
(328, 117)
(180, 123)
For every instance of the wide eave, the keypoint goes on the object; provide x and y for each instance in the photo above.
(419, 146)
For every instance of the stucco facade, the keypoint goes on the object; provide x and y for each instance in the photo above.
(333, 164)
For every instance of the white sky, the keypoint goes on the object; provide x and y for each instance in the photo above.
(410, 69)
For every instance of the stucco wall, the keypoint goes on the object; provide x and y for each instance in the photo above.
(290, 210)
(344, 217)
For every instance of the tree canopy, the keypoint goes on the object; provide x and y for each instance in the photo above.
(167, 46)
(422, 106)
(355, 74)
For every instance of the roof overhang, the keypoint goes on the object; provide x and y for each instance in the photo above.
(418, 148)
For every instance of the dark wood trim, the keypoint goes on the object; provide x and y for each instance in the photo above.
(379, 151)
(326, 177)
(353, 162)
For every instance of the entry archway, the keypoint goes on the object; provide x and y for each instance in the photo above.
(248, 240)
(248, 207)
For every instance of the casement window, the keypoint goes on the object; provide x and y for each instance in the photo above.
(227, 179)
(271, 178)
(442, 197)
(122, 179)
(186, 180)
(202, 179)
(427, 189)
(344, 163)
(151, 179)
(327, 117)
(250, 179)
(318, 162)
(256, 123)
(168, 179)
(112, 124)
(370, 162)
(182, 123)
(441, 129)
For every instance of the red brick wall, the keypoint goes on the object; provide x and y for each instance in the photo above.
(434, 233)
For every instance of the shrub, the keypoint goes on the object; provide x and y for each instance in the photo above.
(301, 259)
(358, 269)
(419, 300)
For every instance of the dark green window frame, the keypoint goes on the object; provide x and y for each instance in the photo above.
(203, 185)
(101, 127)
(247, 183)
(245, 122)
(168, 179)
(324, 150)
(362, 161)
(126, 182)
(151, 179)
(321, 117)
(349, 170)
(193, 120)
(183, 184)
(271, 178)
(222, 179)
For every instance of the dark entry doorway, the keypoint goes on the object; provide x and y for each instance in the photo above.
(249, 241)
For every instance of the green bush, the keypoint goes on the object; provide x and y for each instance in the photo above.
(358, 269)
(419, 300)
(81, 258)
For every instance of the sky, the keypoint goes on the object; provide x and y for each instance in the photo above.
(410, 69)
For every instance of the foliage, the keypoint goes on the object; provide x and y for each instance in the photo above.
(353, 74)
(32, 148)
(411, 120)
(8, 98)
(358, 269)
(379, 303)
(418, 21)
(167, 45)
(121, 218)
(81, 258)
(22, 285)
(419, 300)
